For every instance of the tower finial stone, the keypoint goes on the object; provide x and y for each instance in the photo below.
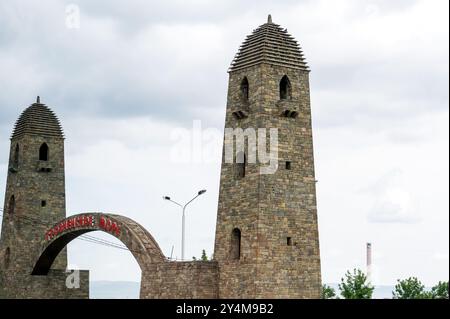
(38, 100)
(269, 19)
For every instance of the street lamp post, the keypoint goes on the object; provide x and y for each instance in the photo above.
(183, 217)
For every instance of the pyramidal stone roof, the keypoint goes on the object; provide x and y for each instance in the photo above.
(269, 43)
(38, 119)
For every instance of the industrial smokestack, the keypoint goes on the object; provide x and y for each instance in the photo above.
(369, 261)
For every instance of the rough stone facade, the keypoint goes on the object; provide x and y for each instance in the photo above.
(51, 286)
(276, 213)
(267, 242)
(181, 280)
(34, 201)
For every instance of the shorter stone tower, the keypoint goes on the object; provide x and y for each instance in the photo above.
(35, 194)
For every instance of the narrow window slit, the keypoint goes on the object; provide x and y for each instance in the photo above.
(236, 244)
(289, 241)
(288, 165)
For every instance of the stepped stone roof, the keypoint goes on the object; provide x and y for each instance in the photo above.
(38, 119)
(269, 43)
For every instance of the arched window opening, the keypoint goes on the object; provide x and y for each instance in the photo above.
(11, 205)
(285, 88)
(43, 152)
(7, 257)
(16, 157)
(244, 89)
(236, 244)
(241, 161)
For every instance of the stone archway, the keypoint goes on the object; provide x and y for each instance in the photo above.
(160, 278)
(135, 237)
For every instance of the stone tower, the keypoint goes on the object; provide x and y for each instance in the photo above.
(267, 242)
(35, 192)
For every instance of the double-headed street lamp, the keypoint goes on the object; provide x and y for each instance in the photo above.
(183, 217)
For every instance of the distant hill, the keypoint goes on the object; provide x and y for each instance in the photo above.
(130, 290)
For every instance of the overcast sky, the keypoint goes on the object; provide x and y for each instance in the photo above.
(130, 74)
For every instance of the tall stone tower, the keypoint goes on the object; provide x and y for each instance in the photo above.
(35, 192)
(267, 242)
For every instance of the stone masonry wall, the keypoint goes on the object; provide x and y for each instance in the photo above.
(269, 209)
(38, 188)
(23, 229)
(186, 280)
(51, 286)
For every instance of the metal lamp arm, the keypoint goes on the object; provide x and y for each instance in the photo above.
(175, 202)
(190, 201)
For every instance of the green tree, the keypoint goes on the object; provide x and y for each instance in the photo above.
(410, 288)
(440, 291)
(204, 257)
(328, 292)
(355, 286)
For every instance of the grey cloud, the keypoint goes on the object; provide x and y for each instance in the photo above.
(393, 202)
(101, 71)
(139, 13)
(133, 61)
